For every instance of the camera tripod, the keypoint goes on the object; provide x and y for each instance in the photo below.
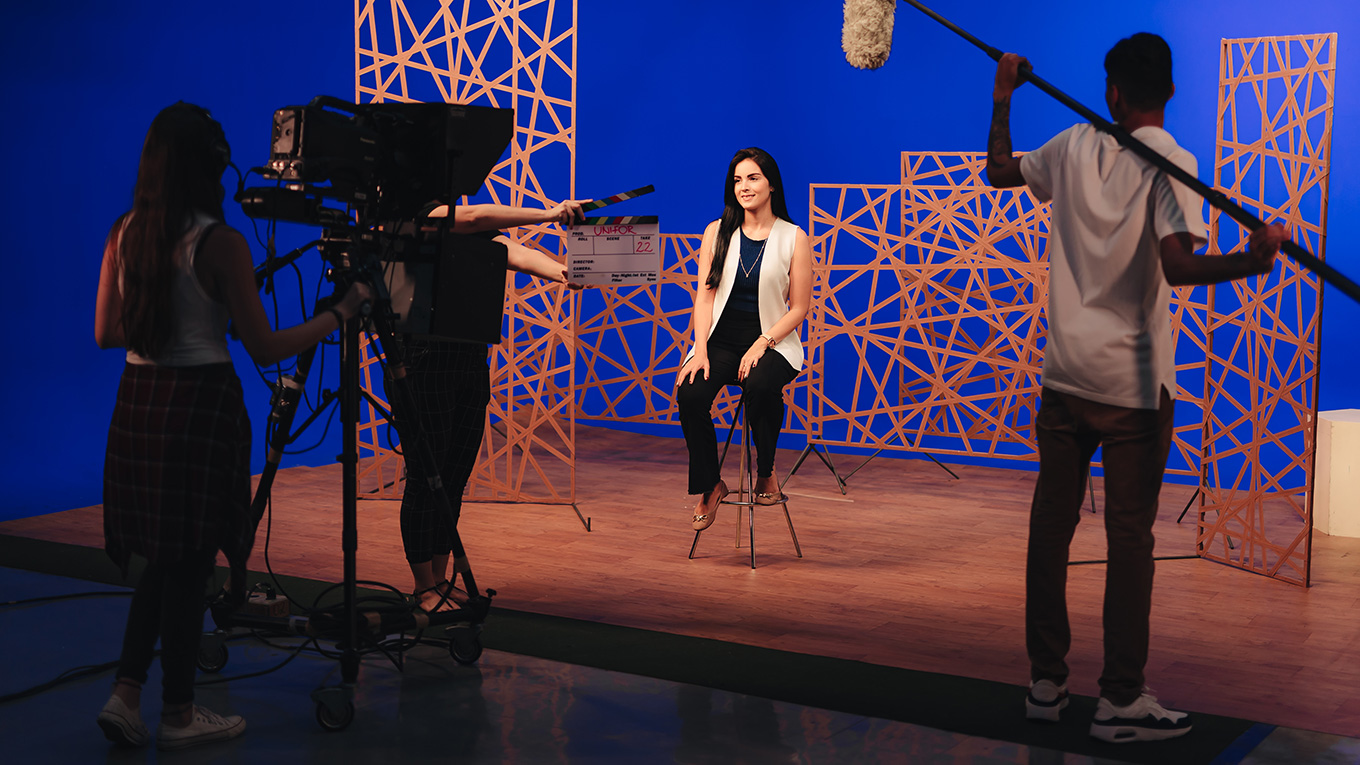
(351, 253)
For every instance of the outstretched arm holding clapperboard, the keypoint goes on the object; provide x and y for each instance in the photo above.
(471, 219)
(615, 250)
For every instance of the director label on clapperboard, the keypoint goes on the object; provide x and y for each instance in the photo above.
(614, 251)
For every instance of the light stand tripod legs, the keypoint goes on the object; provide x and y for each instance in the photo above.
(866, 461)
(812, 448)
(943, 466)
(1188, 504)
(843, 481)
(1193, 497)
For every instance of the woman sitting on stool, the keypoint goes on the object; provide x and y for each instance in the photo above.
(755, 285)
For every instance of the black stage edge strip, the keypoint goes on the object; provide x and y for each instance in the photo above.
(963, 705)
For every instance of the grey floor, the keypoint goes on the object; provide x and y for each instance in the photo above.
(505, 708)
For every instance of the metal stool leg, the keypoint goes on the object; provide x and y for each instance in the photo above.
(746, 490)
(751, 483)
(722, 460)
(743, 465)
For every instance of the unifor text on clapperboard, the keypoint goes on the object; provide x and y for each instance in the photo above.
(614, 251)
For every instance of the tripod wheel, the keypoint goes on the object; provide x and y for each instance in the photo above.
(335, 720)
(465, 643)
(212, 656)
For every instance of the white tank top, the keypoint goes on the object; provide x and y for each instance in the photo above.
(200, 332)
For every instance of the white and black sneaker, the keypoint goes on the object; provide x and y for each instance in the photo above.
(1143, 720)
(1046, 700)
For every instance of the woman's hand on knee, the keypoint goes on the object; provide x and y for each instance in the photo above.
(753, 355)
(692, 367)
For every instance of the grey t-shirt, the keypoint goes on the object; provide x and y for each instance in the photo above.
(1109, 317)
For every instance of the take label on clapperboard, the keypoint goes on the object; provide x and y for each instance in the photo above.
(614, 251)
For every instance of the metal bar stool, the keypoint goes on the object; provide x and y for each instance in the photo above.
(746, 484)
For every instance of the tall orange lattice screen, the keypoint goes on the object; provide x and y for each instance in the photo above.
(930, 300)
(930, 309)
(518, 54)
(1273, 156)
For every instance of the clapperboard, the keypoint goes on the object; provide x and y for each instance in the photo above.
(611, 251)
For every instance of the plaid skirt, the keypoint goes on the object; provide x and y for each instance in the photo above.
(177, 466)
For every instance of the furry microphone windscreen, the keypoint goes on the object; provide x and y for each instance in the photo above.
(866, 36)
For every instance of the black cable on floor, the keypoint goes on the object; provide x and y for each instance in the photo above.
(392, 601)
(74, 673)
(70, 596)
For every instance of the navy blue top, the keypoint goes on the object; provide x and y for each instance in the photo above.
(745, 290)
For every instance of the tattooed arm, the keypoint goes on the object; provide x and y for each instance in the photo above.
(1003, 167)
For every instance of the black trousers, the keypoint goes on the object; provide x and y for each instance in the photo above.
(167, 604)
(1135, 445)
(451, 386)
(763, 389)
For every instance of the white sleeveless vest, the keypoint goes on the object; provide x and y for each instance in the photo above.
(773, 289)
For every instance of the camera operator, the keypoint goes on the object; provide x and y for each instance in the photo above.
(177, 465)
(450, 385)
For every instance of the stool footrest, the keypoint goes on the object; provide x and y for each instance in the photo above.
(746, 484)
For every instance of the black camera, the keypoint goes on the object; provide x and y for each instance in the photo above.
(388, 165)
(385, 161)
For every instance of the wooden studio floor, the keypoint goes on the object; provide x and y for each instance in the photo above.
(912, 569)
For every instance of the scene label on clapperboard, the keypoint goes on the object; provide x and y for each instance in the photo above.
(619, 250)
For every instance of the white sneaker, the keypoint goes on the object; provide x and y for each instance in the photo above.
(1143, 720)
(205, 727)
(1046, 700)
(121, 725)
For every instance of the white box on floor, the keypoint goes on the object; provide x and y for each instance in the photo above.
(1336, 482)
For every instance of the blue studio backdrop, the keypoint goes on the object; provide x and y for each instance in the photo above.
(667, 90)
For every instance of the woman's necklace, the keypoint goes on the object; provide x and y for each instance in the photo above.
(746, 272)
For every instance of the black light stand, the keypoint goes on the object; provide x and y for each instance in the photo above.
(843, 481)
(824, 456)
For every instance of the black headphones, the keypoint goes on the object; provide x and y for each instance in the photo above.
(219, 148)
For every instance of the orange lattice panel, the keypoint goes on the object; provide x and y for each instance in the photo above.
(632, 339)
(1273, 156)
(931, 299)
(953, 366)
(518, 54)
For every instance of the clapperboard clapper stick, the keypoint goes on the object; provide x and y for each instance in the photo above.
(596, 204)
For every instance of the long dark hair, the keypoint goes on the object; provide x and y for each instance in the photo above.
(734, 213)
(183, 159)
